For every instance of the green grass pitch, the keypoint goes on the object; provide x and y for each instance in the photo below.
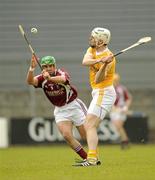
(55, 163)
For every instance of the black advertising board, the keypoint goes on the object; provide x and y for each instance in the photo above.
(40, 130)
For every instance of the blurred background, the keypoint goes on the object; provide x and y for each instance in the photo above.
(64, 27)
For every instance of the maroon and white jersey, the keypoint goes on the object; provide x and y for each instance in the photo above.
(122, 95)
(58, 94)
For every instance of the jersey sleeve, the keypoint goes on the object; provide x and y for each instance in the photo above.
(40, 80)
(89, 51)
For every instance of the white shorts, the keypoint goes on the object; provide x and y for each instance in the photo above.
(102, 102)
(75, 111)
(117, 116)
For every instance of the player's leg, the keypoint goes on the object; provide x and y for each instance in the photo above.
(89, 130)
(101, 103)
(91, 125)
(65, 128)
(81, 131)
(119, 124)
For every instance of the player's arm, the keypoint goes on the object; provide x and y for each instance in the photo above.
(58, 79)
(129, 100)
(102, 72)
(88, 60)
(31, 79)
(55, 79)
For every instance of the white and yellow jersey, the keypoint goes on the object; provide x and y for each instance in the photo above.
(108, 81)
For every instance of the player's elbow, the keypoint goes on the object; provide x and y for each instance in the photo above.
(84, 63)
(29, 82)
(97, 80)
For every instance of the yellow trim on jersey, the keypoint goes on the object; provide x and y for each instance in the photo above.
(93, 69)
(100, 97)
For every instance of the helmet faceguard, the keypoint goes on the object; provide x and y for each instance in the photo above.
(101, 34)
(48, 60)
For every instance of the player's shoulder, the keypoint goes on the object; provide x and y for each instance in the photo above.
(62, 71)
(90, 50)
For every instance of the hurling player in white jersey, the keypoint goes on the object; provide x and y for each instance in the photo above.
(69, 110)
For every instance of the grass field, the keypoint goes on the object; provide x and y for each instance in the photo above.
(54, 163)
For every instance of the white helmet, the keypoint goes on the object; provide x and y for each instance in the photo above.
(101, 34)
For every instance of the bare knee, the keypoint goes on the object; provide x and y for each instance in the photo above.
(91, 122)
(65, 128)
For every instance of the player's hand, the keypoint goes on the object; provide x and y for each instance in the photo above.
(33, 62)
(46, 75)
(107, 59)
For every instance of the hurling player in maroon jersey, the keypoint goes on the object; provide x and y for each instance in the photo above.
(69, 110)
(120, 109)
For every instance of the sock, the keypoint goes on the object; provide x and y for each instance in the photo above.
(92, 154)
(125, 142)
(81, 152)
